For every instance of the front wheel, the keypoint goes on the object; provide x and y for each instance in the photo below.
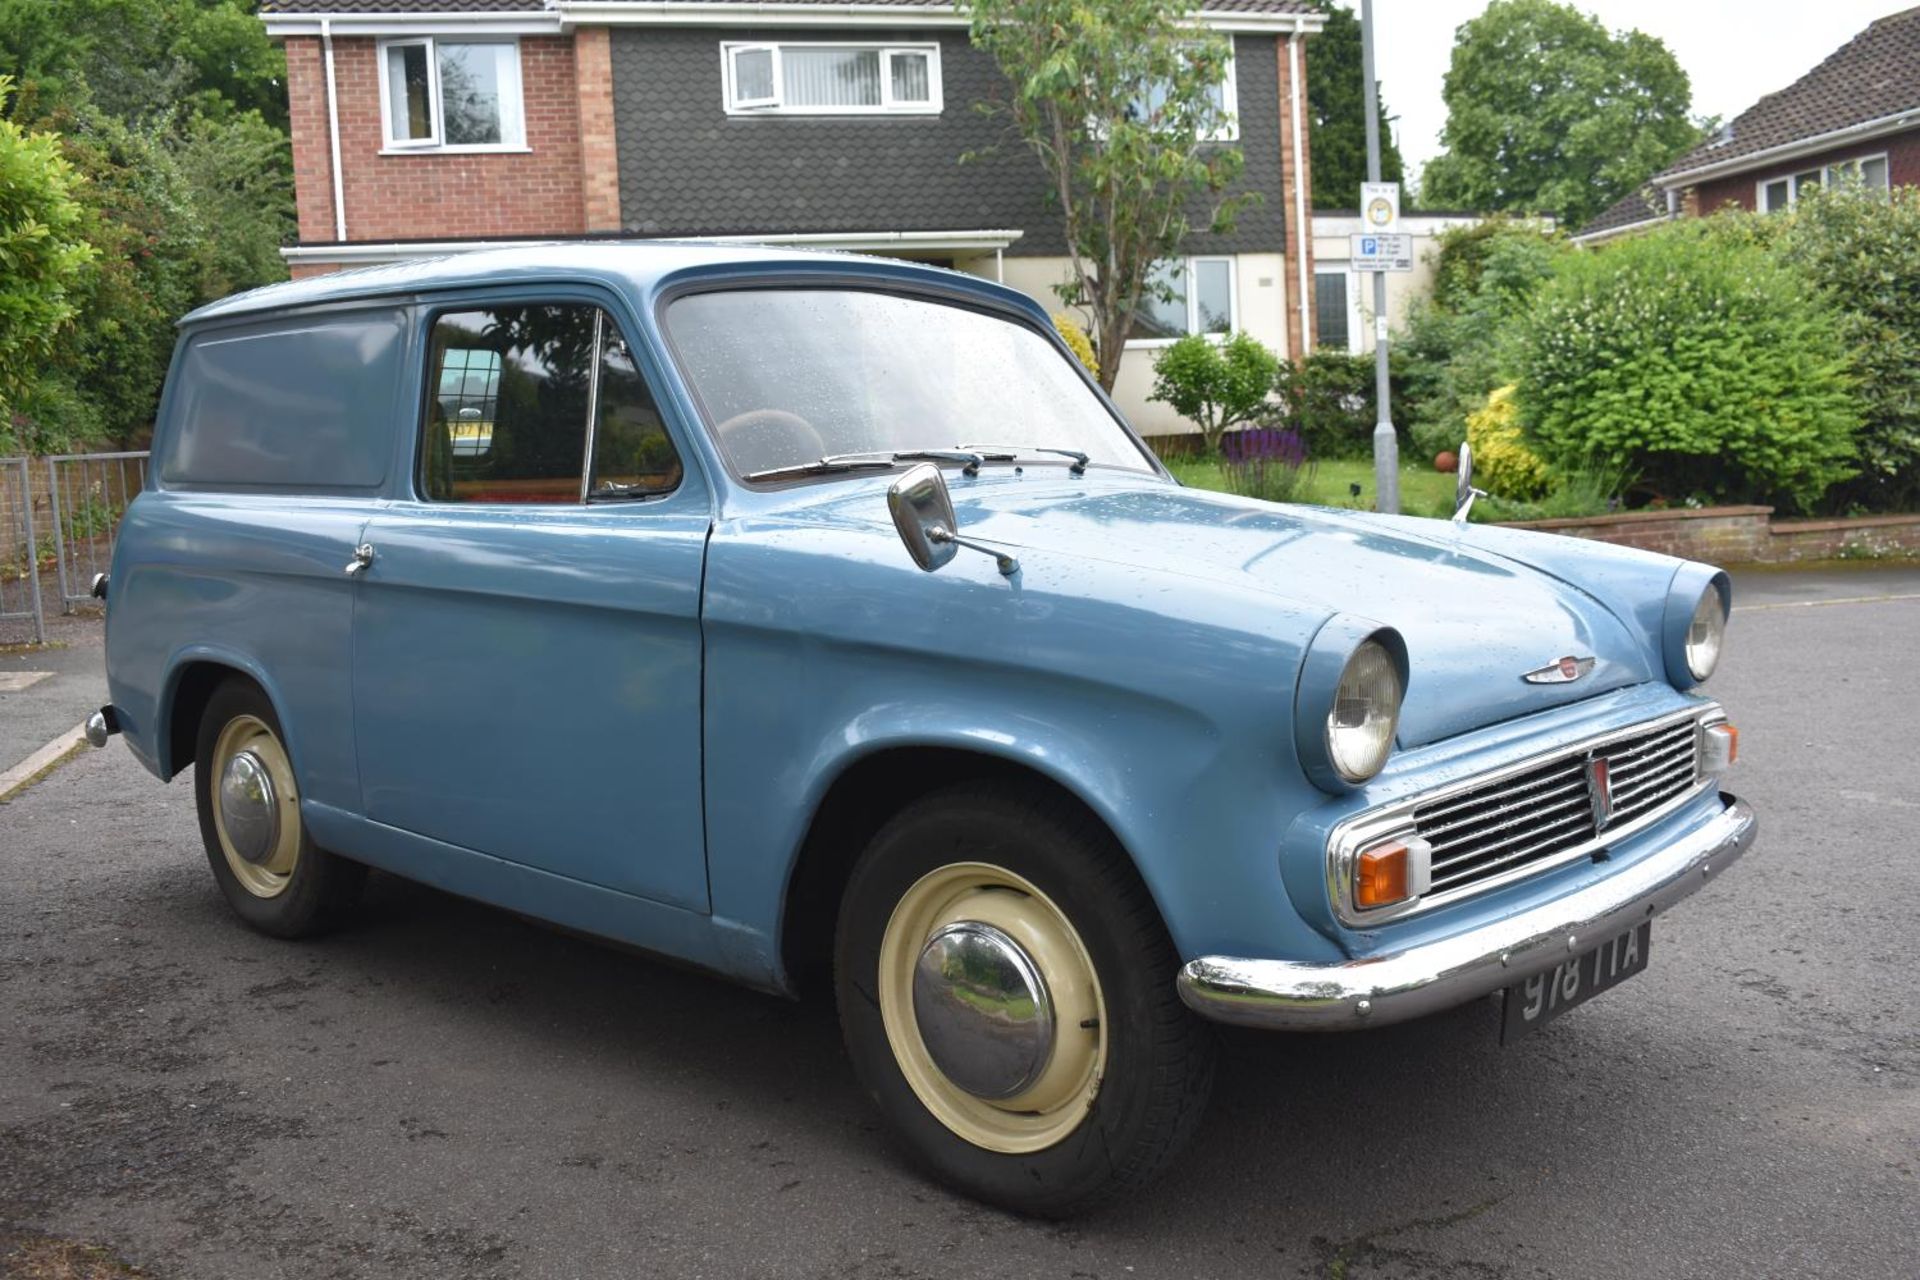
(268, 868)
(1007, 994)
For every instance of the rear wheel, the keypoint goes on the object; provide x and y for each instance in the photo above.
(1007, 994)
(268, 868)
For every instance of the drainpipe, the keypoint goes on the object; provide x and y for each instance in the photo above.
(333, 134)
(1303, 229)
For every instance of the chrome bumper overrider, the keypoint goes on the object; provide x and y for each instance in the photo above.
(1345, 995)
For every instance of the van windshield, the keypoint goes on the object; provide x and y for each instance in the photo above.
(787, 377)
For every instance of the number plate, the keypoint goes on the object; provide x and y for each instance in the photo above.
(1545, 996)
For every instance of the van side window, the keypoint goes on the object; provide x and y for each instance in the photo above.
(510, 394)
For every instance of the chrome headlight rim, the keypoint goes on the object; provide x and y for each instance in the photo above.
(1340, 643)
(1696, 589)
(1706, 636)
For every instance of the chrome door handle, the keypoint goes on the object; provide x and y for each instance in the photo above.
(362, 557)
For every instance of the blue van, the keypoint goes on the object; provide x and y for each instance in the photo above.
(816, 620)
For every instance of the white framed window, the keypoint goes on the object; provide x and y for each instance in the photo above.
(1336, 311)
(451, 95)
(808, 78)
(1226, 100)
(1199, 297)
(1775, 194)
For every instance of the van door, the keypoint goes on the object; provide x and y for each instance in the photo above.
(526, 636)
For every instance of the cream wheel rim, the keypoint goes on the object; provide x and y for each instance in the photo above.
(990, 899)
(256, 806)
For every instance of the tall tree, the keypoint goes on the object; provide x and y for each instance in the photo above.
(1119, 101)
(1337, 110)
(1548, 112)
(137, 59)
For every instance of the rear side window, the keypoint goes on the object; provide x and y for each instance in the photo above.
(540, 404)
(305, 405)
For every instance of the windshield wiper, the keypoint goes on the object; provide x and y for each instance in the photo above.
(828, 465)
(970, 460)
(1080, 460)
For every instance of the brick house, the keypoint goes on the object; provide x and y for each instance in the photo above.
(422, 127)
(1855, 116)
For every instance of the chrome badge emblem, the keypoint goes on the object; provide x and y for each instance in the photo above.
(1600, 791)
(1565, 671)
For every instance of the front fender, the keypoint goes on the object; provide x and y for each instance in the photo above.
(1176, 731)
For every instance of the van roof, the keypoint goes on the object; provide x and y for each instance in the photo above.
(615, 263)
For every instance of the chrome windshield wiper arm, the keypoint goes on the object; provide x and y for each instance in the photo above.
(1080, 460)
(826, 466)
(969, 458)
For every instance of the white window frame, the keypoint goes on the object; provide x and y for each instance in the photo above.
(1829, 175)
(1193, 303)
(777, 106)
(1230, 98)
(1356, 337)
(1229, 130)
(513, 110)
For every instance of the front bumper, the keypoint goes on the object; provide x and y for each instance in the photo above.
(1286, 995)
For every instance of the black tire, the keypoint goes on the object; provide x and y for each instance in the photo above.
(321, 886)
(1159, 1056)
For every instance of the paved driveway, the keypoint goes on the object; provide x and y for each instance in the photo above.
(446, 1090)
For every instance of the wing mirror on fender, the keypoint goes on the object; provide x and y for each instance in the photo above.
(1463, 491)
(922, 512)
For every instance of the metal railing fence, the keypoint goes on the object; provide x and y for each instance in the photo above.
(19, 549)
(89, 493)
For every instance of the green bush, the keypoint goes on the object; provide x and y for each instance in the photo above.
(1458, 346)
(1861, 250)
(1699, 361)
(1329, 399)
(1216, 385)
(43, 258)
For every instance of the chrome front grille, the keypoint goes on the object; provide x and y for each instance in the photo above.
(1505, 826)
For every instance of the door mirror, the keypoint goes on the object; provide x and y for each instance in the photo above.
(922, 512)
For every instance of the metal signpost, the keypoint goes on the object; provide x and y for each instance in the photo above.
(1380, 213)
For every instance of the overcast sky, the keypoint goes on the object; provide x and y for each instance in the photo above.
(1734, 51)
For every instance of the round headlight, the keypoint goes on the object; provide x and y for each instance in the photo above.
(1366, 711)
(1706, 634)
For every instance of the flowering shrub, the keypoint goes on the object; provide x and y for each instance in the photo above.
(1694, 358)
(1501, 460)
(1265, 462)
(1077, 342)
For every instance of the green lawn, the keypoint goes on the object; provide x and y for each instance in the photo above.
(1423, 491)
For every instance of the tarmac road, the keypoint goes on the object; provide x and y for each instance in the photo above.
(446, 1090)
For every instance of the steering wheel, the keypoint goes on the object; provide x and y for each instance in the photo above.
(762, 439)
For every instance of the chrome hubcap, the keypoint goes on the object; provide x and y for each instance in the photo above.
(249, 810)
(983, 1010)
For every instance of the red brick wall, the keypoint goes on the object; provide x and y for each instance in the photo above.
(414, 197)
(1903, 170)
(1299, 238)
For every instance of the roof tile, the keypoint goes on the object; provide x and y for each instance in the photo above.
(1874, 75)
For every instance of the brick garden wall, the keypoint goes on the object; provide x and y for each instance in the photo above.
(1745, 535)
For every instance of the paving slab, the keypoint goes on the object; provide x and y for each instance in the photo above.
(45, 690)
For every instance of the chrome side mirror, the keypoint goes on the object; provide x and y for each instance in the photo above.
(1463, 491)
(922, 511)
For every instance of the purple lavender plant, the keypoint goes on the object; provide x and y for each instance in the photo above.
(1269, 463)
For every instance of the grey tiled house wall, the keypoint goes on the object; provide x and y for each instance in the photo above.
(688, 168)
